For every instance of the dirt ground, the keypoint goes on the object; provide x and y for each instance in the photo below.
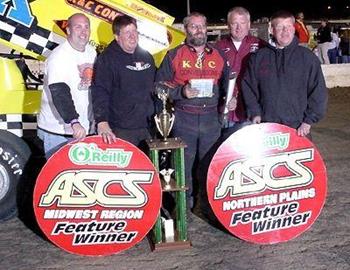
(326, 245)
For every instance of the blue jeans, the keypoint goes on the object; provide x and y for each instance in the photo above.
(52, 142)
(345, 59)
(200, 132)
(332, 55)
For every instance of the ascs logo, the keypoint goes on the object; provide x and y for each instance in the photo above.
(266, 184)
(97, 199)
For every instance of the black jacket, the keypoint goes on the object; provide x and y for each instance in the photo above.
(285, 86)
(122, 87)
(324, 34)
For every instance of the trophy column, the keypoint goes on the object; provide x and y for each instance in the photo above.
(174, 237)
(175, 185)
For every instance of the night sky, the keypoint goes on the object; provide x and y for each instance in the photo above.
(215, 10)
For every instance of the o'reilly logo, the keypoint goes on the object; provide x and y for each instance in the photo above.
(90, 154)
(273, 141)
(276, 140)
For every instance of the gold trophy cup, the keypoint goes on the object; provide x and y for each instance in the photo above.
(164, 120)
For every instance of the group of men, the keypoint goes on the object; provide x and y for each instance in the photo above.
(280, 82)
(112, 92)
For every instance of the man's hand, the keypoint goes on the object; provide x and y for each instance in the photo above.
(256, 119)
(79, 131)
(303, 129)
(106, 132)
(232, 104)
(189, 92)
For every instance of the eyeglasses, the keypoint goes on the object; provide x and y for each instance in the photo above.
(197, 26)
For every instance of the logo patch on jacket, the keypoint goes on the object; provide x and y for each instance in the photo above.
(139, 66)
(254, 47)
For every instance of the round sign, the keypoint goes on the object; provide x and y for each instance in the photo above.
(266, 184)
(93, 198)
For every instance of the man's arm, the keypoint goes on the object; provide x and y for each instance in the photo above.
(63, 102)
(60, 92)
(165, 73)
(101, 88)
(224, 83)
(250, 91)
(317, 98)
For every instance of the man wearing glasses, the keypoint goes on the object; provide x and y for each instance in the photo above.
(198, 74)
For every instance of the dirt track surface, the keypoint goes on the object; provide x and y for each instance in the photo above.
(326, 245)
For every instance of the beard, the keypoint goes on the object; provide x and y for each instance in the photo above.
(196, 40)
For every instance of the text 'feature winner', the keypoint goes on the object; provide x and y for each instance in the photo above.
(266, 184)
(93, 198)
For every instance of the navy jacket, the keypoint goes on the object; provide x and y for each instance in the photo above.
(285, 86)
(122, 87)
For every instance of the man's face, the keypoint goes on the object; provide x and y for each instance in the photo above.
(283, 30)
(79, 32)
(196, 31)
(128, 38)
(239, 26)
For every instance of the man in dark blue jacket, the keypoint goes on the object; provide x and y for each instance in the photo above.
(122, 86)
(284, 82)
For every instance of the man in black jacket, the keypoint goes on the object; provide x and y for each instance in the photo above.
(284, 82)
(122, 86)
(324, 41)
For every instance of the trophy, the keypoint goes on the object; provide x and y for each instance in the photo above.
(164, 120)
(170, 232)
(166, 173)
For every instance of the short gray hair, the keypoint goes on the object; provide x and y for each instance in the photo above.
(186, 20)
(238, 10)
(282, 14)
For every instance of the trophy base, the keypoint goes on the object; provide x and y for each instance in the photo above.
(169, 143)
(172, 186)
(167, 235)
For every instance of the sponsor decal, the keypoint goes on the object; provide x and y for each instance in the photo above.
(17, 11)
(147, 12)
(139, 66)
(12, 161)
(187, 64)
(97, 199)
(266, 184)
(96, 8)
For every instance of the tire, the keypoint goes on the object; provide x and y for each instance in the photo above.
(14, 154)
